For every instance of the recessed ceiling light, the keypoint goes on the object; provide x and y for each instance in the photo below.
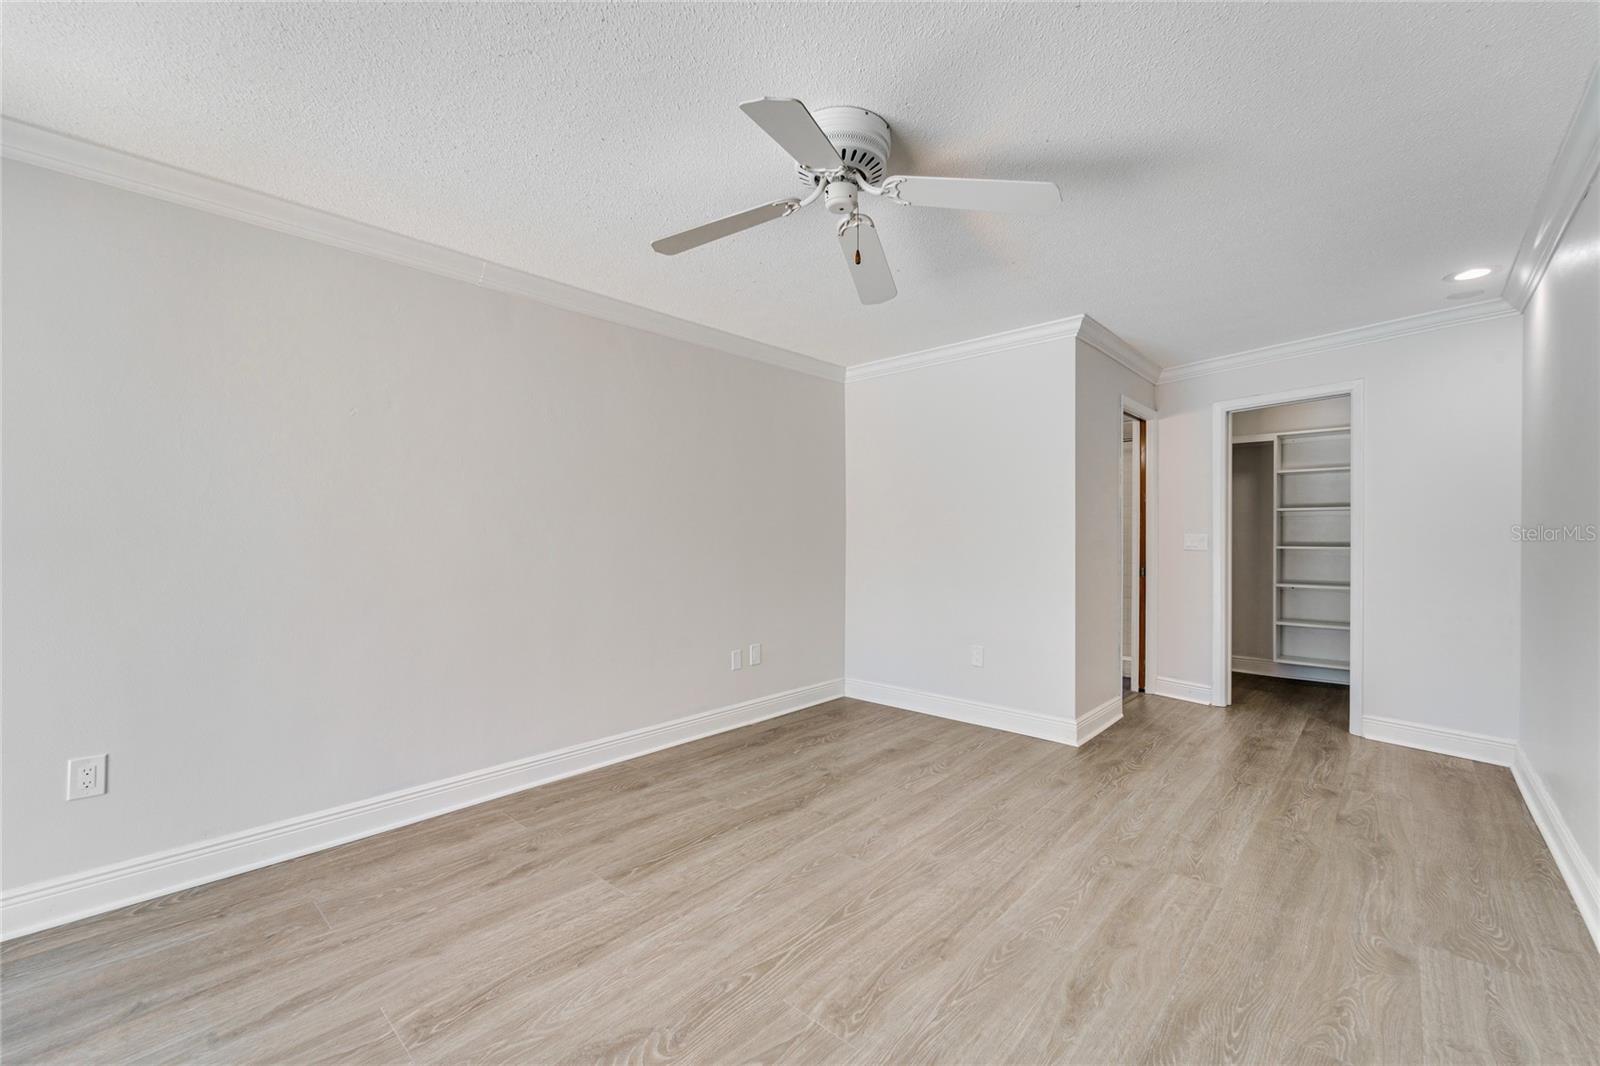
(1470, 275)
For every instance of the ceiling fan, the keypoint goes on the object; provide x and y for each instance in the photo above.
(842, 152)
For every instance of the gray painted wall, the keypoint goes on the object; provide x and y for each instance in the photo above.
(288, 527)
(1252, 550)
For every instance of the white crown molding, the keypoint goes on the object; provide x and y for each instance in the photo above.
(1576, 165)
(1102, 340)
(68, 155)
(1078, 327)
(992, 344)
(1573, 172)
(1576, 870)
(1478, 311)
(44, 904)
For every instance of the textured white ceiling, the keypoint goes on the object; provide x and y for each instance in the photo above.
(1234, 175)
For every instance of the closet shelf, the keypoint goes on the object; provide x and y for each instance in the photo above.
(1326, 664)
(1325, 431)
(1305, 501)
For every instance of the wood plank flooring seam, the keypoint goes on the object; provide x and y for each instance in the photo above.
(390, 1023)
(820, 1024)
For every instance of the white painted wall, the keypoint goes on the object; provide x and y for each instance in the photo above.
(960, 529)
(1101, 384)
(1561, 487)
(1443, 475)
(286, 526)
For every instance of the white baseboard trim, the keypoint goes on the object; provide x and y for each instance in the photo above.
(1175, 688)
(1498, 751)
(1246, 664)
(65, 899)
(993, 716)
(1575, 869)
(1097, 721)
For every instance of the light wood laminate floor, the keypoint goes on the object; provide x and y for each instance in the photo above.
(853, 883)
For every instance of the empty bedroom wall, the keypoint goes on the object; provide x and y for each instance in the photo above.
(1560, 557)
(287, 527)
(1441, 587)
(960, 518)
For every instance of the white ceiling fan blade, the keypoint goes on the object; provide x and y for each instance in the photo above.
(874, 280)
(723, 227)
(974, 194)
(789, 123)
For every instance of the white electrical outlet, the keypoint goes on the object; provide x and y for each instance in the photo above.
(754, 658)
(733, 661)
(977, 654)
(86, 777)
(1196, 542)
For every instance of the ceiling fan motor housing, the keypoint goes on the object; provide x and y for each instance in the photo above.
(841, 197)
(862, 138)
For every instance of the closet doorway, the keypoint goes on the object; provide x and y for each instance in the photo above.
(1135, 493)
(1286, 532)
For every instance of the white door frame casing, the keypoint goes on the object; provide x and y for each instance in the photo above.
(1138, 410)
(1222, 543)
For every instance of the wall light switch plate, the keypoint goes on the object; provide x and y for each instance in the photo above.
(754, 656)
(733, 660)
(1196, 542)
(977, 654)
(86, 777)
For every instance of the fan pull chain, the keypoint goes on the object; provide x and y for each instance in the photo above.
(858, 241)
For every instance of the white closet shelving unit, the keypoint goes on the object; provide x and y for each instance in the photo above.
(1311, 548)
